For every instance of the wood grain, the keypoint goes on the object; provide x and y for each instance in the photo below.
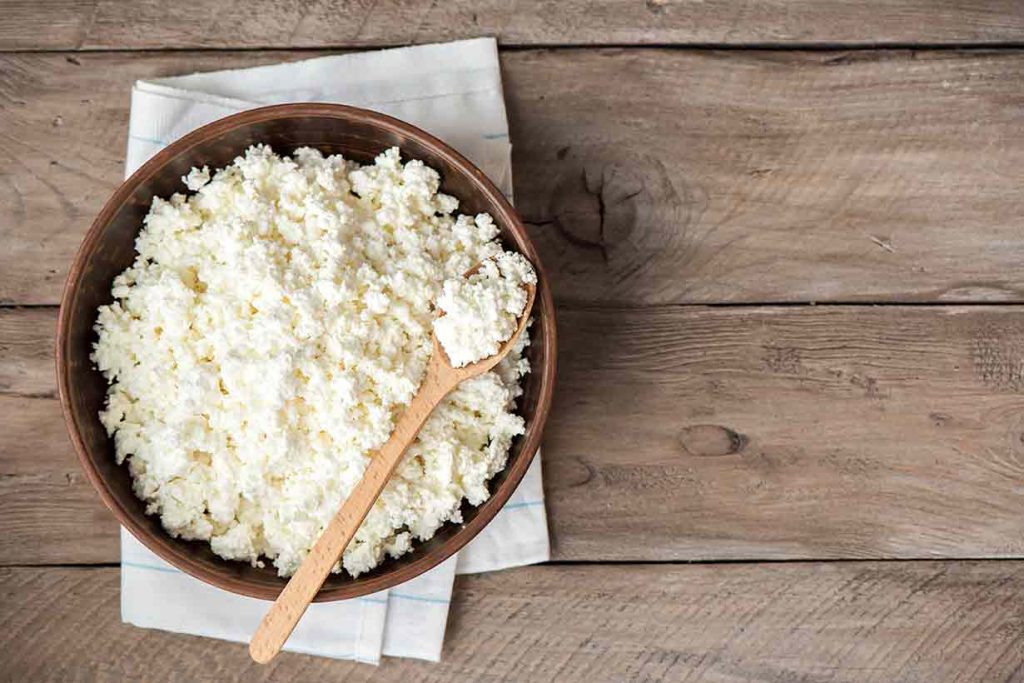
(685, 433)
(26, 348)
(800, 432)
(52, 513)
(150, 24)
(926, 622)
(701, 177)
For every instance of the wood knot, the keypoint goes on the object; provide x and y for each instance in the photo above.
(612, 223)
(596, 209)
(711, 440)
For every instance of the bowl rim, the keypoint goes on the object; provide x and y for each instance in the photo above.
(169, 548)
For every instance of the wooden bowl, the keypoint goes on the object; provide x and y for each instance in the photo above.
(108, 249)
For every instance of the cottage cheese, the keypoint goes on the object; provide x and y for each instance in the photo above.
(272, 328)
(482, 310)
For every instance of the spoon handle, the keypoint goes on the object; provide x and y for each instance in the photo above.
(303, 586)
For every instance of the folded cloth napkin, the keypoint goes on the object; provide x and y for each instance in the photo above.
(454, 92)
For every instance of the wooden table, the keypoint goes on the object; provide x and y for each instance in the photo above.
(787, 243)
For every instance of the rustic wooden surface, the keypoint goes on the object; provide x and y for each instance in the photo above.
(147, 24)
(702, 177)
(679, 194)
(771, 623)
(726, 433)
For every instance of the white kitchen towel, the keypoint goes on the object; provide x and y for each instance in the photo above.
(453, 91)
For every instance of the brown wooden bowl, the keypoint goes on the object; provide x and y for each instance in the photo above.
(108, 249)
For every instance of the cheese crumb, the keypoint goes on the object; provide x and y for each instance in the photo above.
(196, 178)
(482, 310)
(272, 328)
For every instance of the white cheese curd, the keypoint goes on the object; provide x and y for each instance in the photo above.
(271, 330)
(482, 310)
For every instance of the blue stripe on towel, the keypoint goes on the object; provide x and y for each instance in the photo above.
(142, 138)
(138, 565)
(418, 598)
(524, 504)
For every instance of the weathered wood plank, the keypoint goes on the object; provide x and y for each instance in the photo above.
(700, 177)
(691, 433)
(51, 513)
(925, 622)
(798, 432)
(76, 24)
(26, 349)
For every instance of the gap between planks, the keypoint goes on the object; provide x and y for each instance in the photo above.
(571, 305)
(633, 563)
(551, 47)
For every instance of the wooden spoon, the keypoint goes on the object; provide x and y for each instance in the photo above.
(439, 380)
